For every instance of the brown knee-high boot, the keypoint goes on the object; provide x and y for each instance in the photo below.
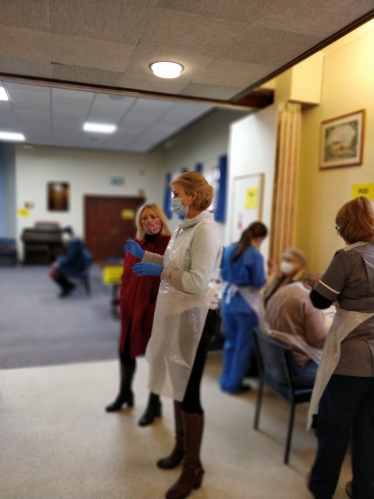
(175, 458)
(192, 472)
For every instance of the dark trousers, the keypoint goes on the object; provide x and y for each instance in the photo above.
(191, 402)
(346, 410)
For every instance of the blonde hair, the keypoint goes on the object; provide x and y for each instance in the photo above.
(196, 182)
(355, 220)
(165, 231)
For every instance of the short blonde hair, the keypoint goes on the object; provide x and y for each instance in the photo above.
(355, 220)
(196, 182)
(165, 231)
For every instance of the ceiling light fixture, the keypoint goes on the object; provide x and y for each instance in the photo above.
(3, 94)
(166, 69)
(14, 137)
(99, 128)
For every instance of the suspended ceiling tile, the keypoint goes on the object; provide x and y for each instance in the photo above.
(210, 91)
(110, 20)
(31, 14)
(110, 108)
(232, 73)
(84, 75)
(202, 35)
(65, 112)
(22, 88)
(33, 116)
(90, 52)
(24, 43)
(74, 98)
(241, 11)
(24, 67)
(256, 45)
(317, 18)
(150, 83)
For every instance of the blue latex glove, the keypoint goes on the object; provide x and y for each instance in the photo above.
(147, 269)
(134, 248)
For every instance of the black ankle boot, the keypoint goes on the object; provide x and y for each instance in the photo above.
(152, 411)
(126, 395)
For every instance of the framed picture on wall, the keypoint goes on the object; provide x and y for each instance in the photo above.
(342, 141)
(58, 196)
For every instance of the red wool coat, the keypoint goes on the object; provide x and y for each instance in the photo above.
(138, 299)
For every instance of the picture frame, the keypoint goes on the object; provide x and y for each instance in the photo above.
(342, 141)
(58, 196)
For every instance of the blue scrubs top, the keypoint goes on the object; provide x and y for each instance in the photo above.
(248, 270)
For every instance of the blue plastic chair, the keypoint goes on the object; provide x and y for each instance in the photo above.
(276, 368)
(8, 252)
(83, 275)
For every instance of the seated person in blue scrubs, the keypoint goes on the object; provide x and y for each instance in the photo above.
(73, 261)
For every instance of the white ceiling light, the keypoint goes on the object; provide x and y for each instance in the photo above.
(3, 94)
(16, 137)
(99, 128)
(166, 69)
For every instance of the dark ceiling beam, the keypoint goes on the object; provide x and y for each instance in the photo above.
(333, 38)
(128, 92)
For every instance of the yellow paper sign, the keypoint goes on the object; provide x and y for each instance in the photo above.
(363, 190)
(128, 214)
(112, 274)
(251, 198)
(22, 212)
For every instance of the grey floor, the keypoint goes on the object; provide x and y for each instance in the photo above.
(57, 442)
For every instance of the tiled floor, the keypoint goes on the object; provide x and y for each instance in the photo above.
(57, 442)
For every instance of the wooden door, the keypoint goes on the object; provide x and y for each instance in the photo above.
(109, 221)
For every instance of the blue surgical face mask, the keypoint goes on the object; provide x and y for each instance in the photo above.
(178, 208)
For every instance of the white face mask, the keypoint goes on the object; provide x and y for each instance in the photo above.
(286, 268)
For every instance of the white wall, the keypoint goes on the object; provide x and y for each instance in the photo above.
(206, 140)
(87, 173)
(252, 150)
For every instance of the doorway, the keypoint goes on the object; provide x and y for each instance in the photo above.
(109, 221)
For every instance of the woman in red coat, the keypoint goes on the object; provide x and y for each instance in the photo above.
(137, 304)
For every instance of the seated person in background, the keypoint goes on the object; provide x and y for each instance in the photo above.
(73, 261)
(291, 269)
(295, 322)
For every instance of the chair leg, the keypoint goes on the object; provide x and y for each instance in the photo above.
(289, 434)
(258, 403)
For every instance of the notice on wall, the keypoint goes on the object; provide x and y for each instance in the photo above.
(363, 190)
(128, 214)
(22, 212)
(251, 197)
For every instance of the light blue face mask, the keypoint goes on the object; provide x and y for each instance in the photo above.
(178, 208)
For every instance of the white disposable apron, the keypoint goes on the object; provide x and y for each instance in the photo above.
(178, 324)
(253, 298)
(344, 322)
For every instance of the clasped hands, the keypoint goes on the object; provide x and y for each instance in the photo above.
(142, 268)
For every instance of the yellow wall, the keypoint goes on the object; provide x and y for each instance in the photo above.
(347, 86)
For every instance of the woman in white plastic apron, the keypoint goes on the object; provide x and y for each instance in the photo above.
(242, 306)
(344, 388)
(185, 320)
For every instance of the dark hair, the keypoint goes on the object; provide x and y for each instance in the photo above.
(256, 229)
(355, 220)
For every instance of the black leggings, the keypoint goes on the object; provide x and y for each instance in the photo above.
(191, 402)
(124, 356)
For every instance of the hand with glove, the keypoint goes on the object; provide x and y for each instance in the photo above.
(141, 269)
(134, 248)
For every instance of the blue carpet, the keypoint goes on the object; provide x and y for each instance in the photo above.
(38, 329)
